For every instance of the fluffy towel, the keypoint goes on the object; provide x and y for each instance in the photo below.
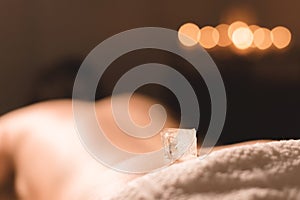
(259, 171)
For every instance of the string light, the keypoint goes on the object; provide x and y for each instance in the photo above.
(209, 37)
(238, 33)
(262, 38)
(253, 28)
(189, 34)
(224, 40)
(242, 38)
(281, 37)
(234, 26)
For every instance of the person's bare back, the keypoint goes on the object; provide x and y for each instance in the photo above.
(40, 147)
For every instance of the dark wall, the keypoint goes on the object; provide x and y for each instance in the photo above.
(42, 44)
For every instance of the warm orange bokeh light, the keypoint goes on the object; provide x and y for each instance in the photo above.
(224, 40)
(189, 34)
(209, 37)
(238, 33)
(281, 37)
(262, 38)
(234, 26)
(242, 38)
(253, 28)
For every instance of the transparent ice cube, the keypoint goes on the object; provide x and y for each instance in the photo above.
(179, 144)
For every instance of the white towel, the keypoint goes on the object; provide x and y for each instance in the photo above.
(259, 171)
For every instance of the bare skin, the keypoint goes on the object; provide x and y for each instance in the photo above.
(39, 145)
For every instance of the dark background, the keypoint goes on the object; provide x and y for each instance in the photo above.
(42, 44)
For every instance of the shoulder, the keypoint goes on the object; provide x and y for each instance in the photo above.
(36, 112)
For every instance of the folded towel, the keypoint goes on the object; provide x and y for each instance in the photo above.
(258, 171)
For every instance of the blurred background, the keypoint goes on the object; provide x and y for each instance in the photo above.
(43, 43)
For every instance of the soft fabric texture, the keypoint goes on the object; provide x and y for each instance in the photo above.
(259, 171)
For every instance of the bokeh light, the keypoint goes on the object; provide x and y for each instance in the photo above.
(209, 37)
(234, 26)
(253, 28)
(242, 37)
(281, 37)
(224, 40)
(189, 34)
(262, 38)
(237, 33)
